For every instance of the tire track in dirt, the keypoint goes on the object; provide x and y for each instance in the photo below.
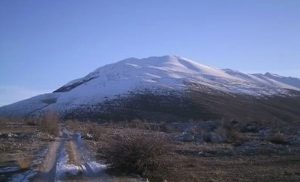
(68, 158)
(47, 170)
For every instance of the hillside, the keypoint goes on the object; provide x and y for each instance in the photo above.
(167, 88)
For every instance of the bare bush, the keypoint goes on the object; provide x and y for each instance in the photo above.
(94, 131)
(278, 138)
(50, 123)
(31, 122)
(234, 136)
(225, 133)
(138, 153)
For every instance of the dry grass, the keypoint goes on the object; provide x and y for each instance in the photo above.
(235, 137)
(250, 169)
(138, 153)
(50, 123)
(188, 165)
(3, 121)
(24, 162)
(142, 124)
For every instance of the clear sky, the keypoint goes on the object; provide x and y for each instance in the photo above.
(46, 43)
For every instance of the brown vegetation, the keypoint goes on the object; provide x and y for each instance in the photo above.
(24, 162)
(139, 153)
(240, 145)
(278, 138)
(50, 123)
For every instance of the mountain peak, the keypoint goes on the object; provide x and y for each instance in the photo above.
(172, 71)
(160, 75)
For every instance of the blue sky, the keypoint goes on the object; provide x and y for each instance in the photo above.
(46, 43)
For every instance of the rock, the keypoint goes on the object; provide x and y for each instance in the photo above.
(88, 136)
(8, 135)
(187, 137)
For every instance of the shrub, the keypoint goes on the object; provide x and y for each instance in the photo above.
(278, 138)
(225, 133)
(234, 136)
(138, 153)
(31, 122)
(95, 132)
(50, 123)
(24, 162)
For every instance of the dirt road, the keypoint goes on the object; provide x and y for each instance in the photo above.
(69, 159)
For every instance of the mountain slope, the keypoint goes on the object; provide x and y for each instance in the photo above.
(167, 79)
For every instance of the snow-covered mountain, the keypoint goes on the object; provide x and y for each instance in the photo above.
(171, 72)
(162, 75)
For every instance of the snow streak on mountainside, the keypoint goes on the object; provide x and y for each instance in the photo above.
(157, 74)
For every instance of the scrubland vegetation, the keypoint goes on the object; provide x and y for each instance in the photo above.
(49, 123)
(139, 153)
(172, 151)
(195, 151)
